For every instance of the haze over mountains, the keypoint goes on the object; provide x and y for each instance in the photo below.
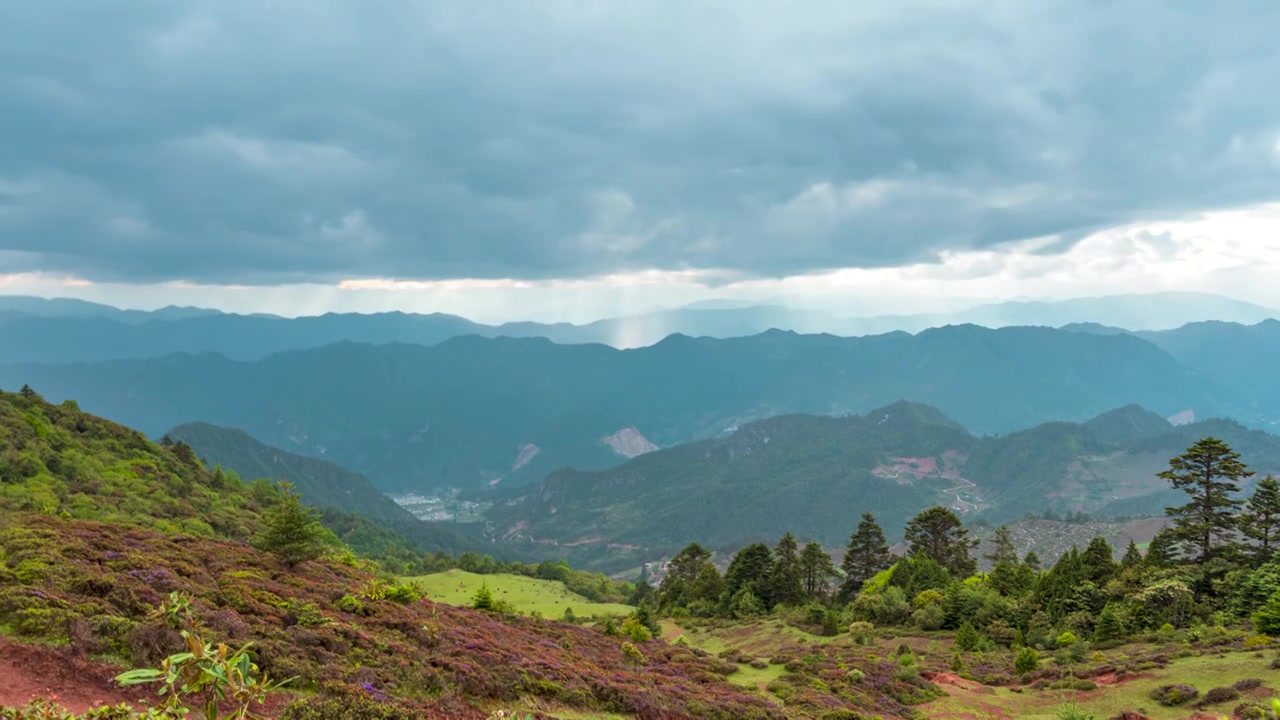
(550, 425)
(62, 330)
(473, 411)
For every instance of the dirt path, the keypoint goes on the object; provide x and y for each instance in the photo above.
(35, 671)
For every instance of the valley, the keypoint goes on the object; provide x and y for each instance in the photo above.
(639, 361)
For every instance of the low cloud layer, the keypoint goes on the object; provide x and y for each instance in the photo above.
(317, 141)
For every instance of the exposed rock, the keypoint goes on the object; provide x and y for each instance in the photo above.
(629, 443)
(527, 454)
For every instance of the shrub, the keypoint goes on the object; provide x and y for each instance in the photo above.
(864, 633)
(632, 655)
(1257, 641)
(634, 629)
(1219, 695)
(1028, 661)
(842, 715)
(1072, 712)
(1248, 684)
(345, 707)
(1067, 639)
(968, 639)
(1174, 695)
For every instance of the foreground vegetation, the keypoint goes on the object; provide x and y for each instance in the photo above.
(133, 554)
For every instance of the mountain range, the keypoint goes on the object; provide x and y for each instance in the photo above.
(822, 473)
(473, 412)
(64, 330)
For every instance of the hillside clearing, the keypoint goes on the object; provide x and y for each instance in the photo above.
(548, 598)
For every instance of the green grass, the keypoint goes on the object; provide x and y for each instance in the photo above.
(748, 676)
(761, 638)
(527, 595)
(1204, 673)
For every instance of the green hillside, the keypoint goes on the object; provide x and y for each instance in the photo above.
(334, 489)
(821, 473)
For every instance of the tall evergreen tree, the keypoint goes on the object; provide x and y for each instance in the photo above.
(784, 584)
(1032, 560)
(938, 534)
(1132, 556)
(1162, 551)
(1209, 472)
(1098, 562)
(1002, 549)
(816, 571)
(749, 570)
(293, 533)
(867, 555)
(1261, 519)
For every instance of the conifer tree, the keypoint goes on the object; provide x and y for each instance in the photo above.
(749, 570)
(1032, 560)
(967, 638)
(816, 571)
(1132, 556)
(938, 534)
(483, 599)
(1209, 472)
(1097, 561)
(784, 583)
(293, 533)
(867, 555)
(1109, 626)
(1261, 520)
(1002, 549)
(1162, 551)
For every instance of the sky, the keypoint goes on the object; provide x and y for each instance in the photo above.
(557, 159)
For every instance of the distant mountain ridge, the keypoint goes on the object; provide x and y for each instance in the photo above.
(821, 473)
(471, 411)
(63, 330)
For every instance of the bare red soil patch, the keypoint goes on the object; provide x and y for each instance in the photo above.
(28, 672)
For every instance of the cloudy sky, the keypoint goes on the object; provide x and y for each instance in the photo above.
(577, 159)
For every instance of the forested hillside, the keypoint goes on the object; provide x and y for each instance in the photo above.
(348, 500)
(821, 473)
(473, 412)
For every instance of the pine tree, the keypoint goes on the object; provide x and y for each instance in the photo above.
(1162, 551)
(1132, 556)
(1002, 549)
(1109, 625)
(749, 570)
(1032, 560)
(937, 533)
(816, 571)
(967, 638)
(867, 555)
(1098, 562)
(483, 599)
(1209, 471)
(784, 582)
(708, 586)
(292, 531)
(1261, 519)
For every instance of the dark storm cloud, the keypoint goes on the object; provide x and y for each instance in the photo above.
(241, 142)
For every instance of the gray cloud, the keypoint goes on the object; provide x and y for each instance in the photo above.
(241, 142)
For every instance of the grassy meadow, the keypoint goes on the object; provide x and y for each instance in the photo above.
(548, 598)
